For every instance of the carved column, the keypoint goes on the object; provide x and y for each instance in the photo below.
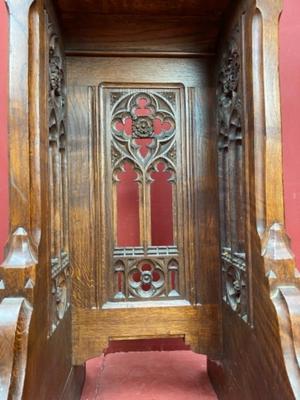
(18, 272)
(268, 144)
(266, 20)
(276, 259)
(19, 113)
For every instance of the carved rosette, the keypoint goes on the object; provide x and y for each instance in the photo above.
(142, 116)
(142, 127)
(58, 183)
(146, 278)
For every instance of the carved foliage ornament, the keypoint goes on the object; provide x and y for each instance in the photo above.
(234, 274)
(60, 273)
(234, 269)
(229, 101)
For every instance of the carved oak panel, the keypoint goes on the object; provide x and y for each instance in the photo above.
(144, 169)
(232, 177)
(58, 182)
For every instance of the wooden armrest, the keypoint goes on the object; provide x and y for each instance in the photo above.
(15, 316)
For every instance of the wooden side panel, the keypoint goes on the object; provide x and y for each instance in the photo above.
(260, 351)
(28, 270)
(50, 331)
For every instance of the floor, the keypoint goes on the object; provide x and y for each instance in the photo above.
(151, 375)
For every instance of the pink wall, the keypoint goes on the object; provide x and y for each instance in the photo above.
(290, 102)
(290, 89)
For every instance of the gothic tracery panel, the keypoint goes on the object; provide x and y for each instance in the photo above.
(144, 141)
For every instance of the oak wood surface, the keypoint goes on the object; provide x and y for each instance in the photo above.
(163, 27)
(26, 270)
(138, 7)
(90, 281)
(170, 34)
(198, 325)
(225, 56)
(15, 316)
(260, 358)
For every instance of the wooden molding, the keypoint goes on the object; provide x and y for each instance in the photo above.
(261, 287)
(18, 113)
(269, 13)
(15, 316)
(286, 302)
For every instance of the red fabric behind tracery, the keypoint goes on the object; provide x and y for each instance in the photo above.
(161, 208)
(128, 230)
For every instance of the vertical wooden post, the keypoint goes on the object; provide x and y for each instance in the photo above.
(274, 208)
(19, 149)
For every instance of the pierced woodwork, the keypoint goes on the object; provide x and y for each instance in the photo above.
(144, 142)
(58, 183)
(231, 177)
(146, 279)
(152, 132)
(103, 258)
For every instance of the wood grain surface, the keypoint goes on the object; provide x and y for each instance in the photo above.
(242, 303)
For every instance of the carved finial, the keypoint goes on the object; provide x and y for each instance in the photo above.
(29, 284)
(279, 259)
(271, 275)
(17, 272)
(20, 251)
(276, 244)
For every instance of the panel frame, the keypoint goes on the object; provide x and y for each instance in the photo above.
(105, 145)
